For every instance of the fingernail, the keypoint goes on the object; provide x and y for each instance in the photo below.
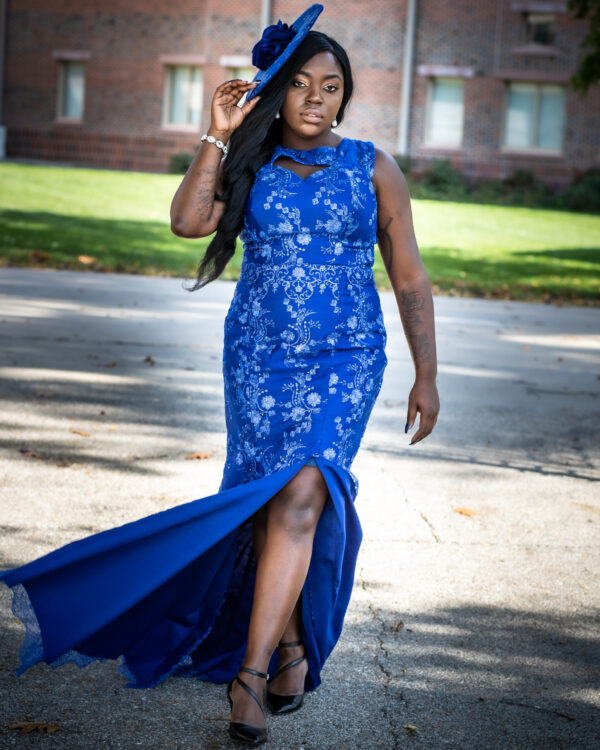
(406, 428)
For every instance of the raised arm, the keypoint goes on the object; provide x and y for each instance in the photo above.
(195, 212)
(409, 280)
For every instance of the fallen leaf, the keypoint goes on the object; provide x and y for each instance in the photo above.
(465, 511)
(109, 364)
(87, 259)
(410, 727)
(42, 394)
(28, 452)
(83, 433)
(586, 506)
(397, 626)
(42, 727)
(198, 455)
(39, 256)
(150, 360)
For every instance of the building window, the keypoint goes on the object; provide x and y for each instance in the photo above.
(535, 115)
(541, 28)
(183, 96)
(71, 90)
(246, 73)
(445, 111)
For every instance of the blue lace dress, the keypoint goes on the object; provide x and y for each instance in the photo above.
(303, 362)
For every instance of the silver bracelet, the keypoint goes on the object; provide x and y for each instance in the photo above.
(219, 144)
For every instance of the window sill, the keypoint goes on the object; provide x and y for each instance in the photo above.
(530, 152)
(188, 129)
(68, 121)
(536, 50)
(445, 149)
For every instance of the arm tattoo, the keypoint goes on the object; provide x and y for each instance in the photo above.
(385, 243)
(412, 305)
(203, 202)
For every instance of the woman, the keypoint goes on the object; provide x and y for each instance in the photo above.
(278, 144)
(256, 579)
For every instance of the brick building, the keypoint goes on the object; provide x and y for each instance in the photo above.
(127, 83)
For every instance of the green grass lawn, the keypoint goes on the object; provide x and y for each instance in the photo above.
(52, 216)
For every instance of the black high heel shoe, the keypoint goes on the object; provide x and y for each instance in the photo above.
(245, 732)
(284, 704)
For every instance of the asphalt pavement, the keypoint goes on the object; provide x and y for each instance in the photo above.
(474, 620)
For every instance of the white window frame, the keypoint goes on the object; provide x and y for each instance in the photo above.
(63, 64)
(180, 126)
(428, 143)
(246, 72)
(536, 120)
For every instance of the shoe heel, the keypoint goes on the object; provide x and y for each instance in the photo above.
(246, 732)
(285, 704)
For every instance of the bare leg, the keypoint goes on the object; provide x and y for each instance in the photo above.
(290, 682)
(292, 517)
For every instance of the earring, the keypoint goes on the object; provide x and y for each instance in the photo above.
(277, 116)
(334, 124)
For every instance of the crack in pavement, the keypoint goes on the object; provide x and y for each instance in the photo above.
(537, 708)
(381, 658)
(404, 496)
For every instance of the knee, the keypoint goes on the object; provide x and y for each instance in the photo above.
(299, 508)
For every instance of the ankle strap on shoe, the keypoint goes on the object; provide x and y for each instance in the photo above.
(254, 671)
(291, 643)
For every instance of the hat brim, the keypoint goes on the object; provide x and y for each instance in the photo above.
(302, 25)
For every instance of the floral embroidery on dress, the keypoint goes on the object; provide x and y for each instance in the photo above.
(304, 346)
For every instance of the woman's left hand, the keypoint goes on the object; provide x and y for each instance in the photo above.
(423, 398)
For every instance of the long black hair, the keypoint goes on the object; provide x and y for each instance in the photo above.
(251, 146)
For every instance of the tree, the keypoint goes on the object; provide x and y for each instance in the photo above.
(588, 72)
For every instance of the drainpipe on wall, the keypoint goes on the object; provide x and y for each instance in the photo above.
(2, 53)
(407, 76)
(265, 14)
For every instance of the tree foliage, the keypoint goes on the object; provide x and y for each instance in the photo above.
(588, 72)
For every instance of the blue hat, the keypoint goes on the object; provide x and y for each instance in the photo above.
(277, 44)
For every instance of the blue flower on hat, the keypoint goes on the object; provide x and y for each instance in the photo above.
(274, 40)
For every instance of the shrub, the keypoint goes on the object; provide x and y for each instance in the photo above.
(523, 189)
(179, 163)
(442, 176)
(440, 181)
(489, 191)
(584, 192)
(404, 163)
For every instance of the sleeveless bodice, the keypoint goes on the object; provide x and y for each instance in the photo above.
(329, 217)
(304, 334)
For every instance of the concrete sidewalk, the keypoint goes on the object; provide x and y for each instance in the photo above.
(478, 631)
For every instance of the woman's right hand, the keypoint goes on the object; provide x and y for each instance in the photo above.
(226, 116)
